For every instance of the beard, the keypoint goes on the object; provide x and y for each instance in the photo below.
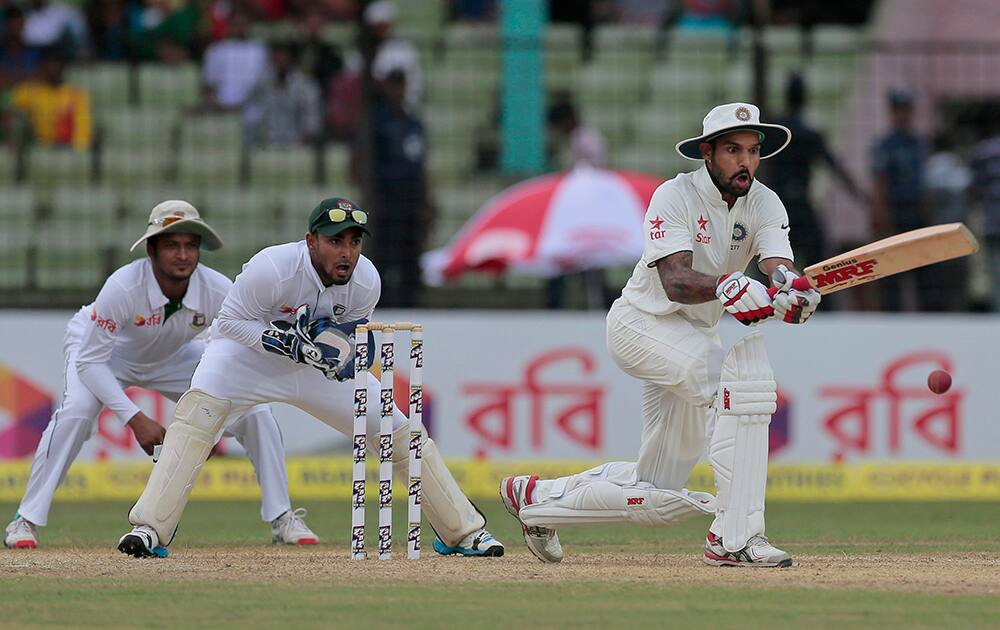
(729, 185)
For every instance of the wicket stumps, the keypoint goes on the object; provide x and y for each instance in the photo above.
(385, 441)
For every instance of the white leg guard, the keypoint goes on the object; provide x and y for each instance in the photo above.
(609, 493)
(738, 449)
(448, 510)
(198, 419)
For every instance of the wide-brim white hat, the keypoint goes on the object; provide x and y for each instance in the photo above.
(175, 215)
(736, 117)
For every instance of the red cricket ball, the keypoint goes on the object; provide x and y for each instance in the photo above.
(939, 381)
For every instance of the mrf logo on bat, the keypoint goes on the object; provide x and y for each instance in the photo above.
(844, 271)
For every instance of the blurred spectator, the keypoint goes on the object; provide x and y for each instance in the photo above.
(59, 114)
(583, 144)
(60, 25)
(392, 53)
(344, 102)
(579, 145)
(320, 59)
(171, 52)
(644, 12)
(113, 26)
(948, 180)
(401, 200)
(985, 163)
(898, 172)
(284, 108)
(233, 66)
(790, 172)
(473, 10)
(18, 61)
(179, 22)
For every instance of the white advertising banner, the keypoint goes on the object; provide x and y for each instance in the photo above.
(506, 385)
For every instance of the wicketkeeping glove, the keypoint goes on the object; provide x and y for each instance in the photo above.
(792, 305)
(296, 342)
(745, 298)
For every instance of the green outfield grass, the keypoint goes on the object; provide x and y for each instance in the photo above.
(595, 587)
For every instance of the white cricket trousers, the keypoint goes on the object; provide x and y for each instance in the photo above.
(679, 365)
(75, 422)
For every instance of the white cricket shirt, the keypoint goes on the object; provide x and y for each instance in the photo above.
(687, 213)
(124, 329)
(279, 279)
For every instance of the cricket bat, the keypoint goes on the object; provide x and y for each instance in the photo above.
(887, 257)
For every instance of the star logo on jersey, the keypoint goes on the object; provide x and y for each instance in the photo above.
(702, 223)
(655, 230)
(705, 238)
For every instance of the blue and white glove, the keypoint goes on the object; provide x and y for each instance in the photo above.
(337, 342)
(295, 342)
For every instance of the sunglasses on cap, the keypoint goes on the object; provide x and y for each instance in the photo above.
(338, 215)
(165, 221)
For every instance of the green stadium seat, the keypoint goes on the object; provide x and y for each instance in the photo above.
(460, 85)
(337, 158)
(67, 261)
(138, 127)
(624, 46)
(679, 84)
(425, 18)
(472, 47)
(8, 165)
(18, 236)
(50, 166)
(448, 126)
(605, 85)
(342, 34)
(280, 30)
(279, 167)
(245, 219)
(174, 88)
(783, 38)
(838, 38)
(563, 55)
(204, 169)
(212, 131)
(296, 203)
(107, 83)
(136, 168)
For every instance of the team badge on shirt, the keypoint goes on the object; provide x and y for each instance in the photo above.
(739, 235)
(655, 230)
(339, 310)
(198, 321)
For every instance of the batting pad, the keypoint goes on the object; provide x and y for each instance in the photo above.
(198, 419)
(746, 401)
(448, 510)
(609, 493)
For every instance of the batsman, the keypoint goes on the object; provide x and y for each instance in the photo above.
(702, 230)
(285, 333)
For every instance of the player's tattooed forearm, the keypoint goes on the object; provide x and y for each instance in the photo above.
(682, 283)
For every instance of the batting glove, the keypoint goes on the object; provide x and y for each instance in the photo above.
(745, 298)
(791, 305)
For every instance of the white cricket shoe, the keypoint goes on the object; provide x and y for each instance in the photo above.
(543, 542)
(478, 543)
(20, 534)
(759, 552)
(290, 529)
(141, 542)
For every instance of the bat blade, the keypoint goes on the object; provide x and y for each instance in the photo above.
(889, 256)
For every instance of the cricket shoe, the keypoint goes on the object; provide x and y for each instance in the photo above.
(543, 542)
(142, 542)
(759, 552)
(290, 529)
(20, 534)
(478, 543)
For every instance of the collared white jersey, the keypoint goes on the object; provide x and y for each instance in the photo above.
(687, 213)
(279, 279)
(126, 320)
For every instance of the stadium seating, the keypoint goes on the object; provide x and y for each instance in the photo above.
(18, 236)
(108, 84)
(170, 88)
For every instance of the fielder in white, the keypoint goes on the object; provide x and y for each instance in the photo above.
(142, 330)
(265, 348)
(702, 230)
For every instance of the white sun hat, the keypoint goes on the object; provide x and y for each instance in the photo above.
(175, 215)
(736, 117)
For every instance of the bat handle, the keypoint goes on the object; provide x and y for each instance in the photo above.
(799, 284)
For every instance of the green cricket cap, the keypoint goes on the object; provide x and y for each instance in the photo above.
(336, 214)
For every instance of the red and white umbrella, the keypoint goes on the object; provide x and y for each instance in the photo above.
(585, 218)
